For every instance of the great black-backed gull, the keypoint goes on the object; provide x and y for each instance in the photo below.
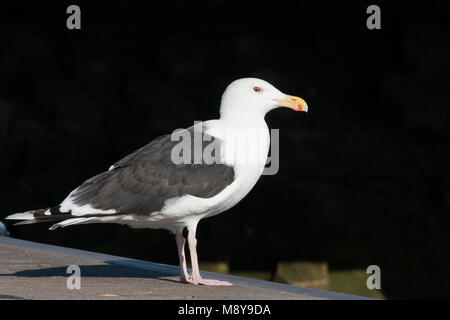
(155, 187)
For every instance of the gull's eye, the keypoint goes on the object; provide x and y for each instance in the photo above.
(257, 89)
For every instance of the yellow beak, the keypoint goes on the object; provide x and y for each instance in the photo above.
(294, 103)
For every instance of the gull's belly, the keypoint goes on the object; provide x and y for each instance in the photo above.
(189, 208)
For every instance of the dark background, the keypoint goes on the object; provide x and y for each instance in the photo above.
(364, 177)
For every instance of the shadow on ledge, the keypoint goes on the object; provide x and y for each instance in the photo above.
(97, 271)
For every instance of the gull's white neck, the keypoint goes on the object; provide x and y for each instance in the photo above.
(245, 140)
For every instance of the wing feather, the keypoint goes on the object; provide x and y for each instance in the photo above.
(141, 182)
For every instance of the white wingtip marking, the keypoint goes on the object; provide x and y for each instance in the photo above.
(68, 205)
(69, 222)
(20, 216)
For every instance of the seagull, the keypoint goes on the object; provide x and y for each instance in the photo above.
(172, 184)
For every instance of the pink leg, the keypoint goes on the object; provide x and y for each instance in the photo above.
(195, 278)
(180, 245)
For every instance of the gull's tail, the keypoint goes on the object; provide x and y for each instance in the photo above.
(48, 215)
(27, 217)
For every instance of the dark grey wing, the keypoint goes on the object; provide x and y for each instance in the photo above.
(141, 182)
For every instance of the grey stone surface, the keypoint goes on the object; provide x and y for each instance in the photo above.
(31, 270)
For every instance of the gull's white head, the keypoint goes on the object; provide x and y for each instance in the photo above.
(252, 96)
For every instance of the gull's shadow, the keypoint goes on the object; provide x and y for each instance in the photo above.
(109, 270)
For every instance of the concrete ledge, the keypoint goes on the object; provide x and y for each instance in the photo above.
(30, 270)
